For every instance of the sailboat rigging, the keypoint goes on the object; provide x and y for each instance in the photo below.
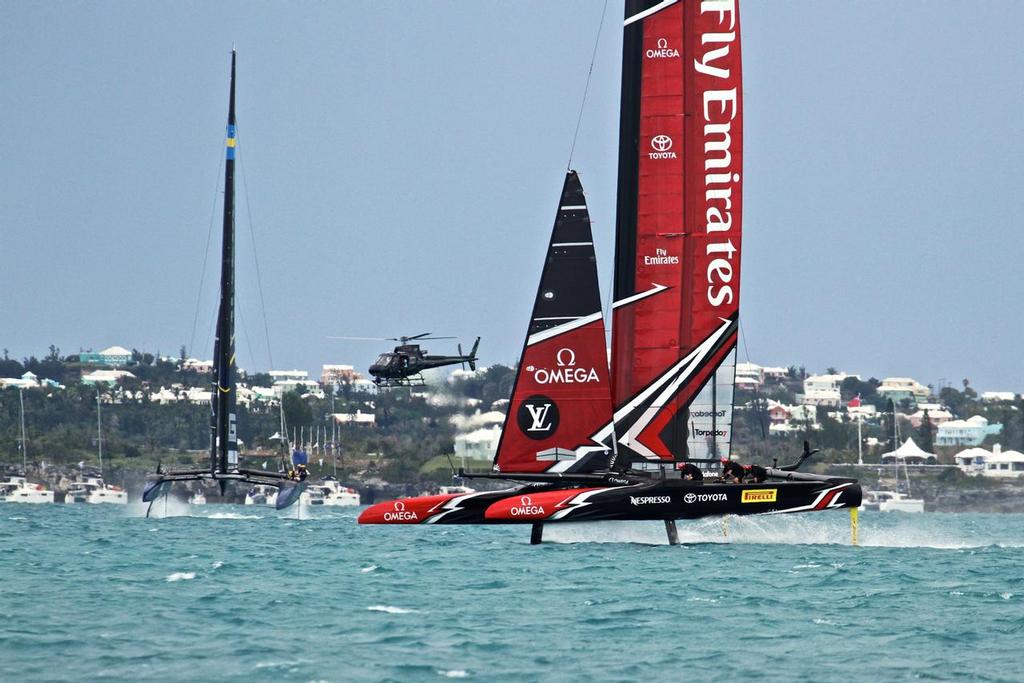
(648, 440)
(224, 461)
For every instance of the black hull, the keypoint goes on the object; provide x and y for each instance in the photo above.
(650, 501)
(671, 500)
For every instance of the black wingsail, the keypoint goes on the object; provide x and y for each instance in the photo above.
(223, 436)
(224, 462)
(561, 399)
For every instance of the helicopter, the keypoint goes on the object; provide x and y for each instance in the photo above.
(403, 366)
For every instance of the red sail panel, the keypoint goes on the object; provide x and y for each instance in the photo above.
(562, 395)
(678, 228)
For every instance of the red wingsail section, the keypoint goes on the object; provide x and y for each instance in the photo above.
(562, 398)
(677, 269)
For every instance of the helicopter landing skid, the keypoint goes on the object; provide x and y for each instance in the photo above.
(411, 381)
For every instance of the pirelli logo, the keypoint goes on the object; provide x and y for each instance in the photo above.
(759, 496)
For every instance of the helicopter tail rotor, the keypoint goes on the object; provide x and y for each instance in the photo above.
(472, 354)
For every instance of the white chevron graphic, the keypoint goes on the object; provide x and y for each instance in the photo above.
(671, 380)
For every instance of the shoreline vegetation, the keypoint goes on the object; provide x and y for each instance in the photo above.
(408, 445)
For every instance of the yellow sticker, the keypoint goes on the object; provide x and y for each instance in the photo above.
(759, 496)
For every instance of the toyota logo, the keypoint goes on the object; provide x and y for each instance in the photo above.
(661, 143)
(690, 497)
(399, 506)
(526, 500)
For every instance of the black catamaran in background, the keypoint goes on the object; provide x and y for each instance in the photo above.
(224, 462)
(651, 443)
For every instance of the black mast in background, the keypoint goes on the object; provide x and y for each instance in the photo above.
(224, 440)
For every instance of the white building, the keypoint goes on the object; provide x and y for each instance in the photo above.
(27, 381)
(776, 374)
(308, 386)
(829, 398)
(936, 416)
(1004, 463)
(106, 376)
(900, 388)
(480, 444)
(997, 396)
(969, 432)
(865, 411)
(286, 375)
(823, 390)
(749, 375)
(972, 460)
(825, 382)
(164, 396)
(196, 365)
(338, 374)
(198, 396)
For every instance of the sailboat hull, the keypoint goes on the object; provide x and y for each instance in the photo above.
(463, 508)
(660, 500)
(673, 500)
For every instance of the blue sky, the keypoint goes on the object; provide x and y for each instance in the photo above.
(402, 163)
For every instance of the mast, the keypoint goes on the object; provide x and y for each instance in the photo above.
(99, 431)
(678, 216)
(24, 445)
(224, 439)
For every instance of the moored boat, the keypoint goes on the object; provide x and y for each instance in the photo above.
(331, 493)
(90, 488)
(17, 489)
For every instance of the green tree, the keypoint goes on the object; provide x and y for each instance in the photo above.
(925, 432)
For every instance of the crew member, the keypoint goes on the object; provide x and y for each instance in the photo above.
(732, 472)
(756, 473)
(691, 472)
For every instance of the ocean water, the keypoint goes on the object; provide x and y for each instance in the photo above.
(250, 594)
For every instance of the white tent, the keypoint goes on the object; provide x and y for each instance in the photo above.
(909, 453)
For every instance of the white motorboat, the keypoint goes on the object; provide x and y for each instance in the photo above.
(891, 501)
(261, 494)
(92, 489)
(197, 498)
(17, 489)
(329, 491)
(894, 501)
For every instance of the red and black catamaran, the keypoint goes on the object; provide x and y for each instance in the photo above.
(585, 444)
(224, 463)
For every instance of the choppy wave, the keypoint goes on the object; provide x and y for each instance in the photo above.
(180, 576)
(389, 609)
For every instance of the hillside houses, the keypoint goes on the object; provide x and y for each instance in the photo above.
(969, 432)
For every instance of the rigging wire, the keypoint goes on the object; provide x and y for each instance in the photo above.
(206, 257)
(586, 89)
(248, 339)
(758, 405)
(255, 254)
